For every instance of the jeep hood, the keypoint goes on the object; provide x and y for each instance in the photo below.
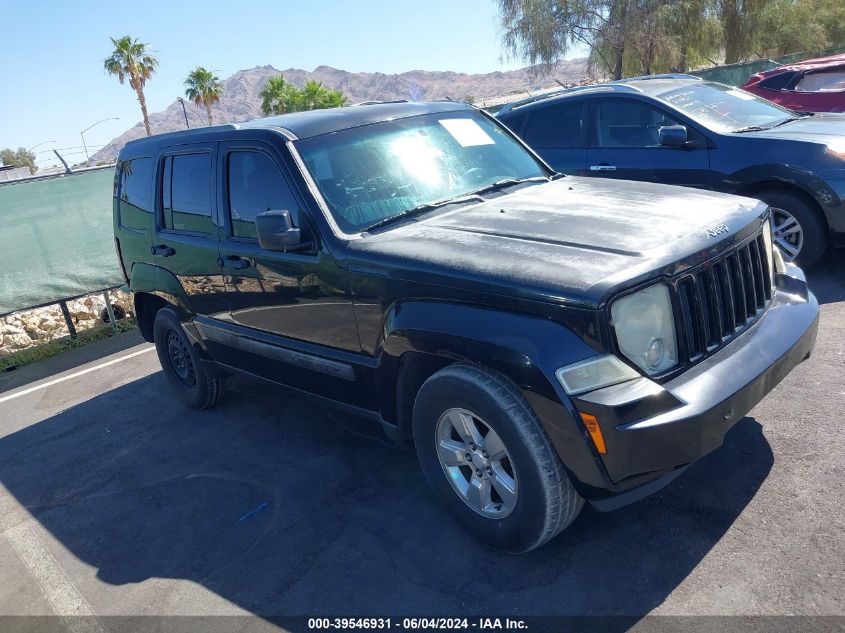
(574, 240)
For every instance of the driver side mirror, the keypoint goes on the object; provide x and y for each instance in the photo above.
(673, 135)
(276, 232)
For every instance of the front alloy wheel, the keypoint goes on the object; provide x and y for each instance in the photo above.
(485, 453)
(476, 463)
(798, 228)
(787, 234)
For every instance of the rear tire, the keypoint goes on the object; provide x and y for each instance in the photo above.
(529, 498)
(806, 244)
(195, 385)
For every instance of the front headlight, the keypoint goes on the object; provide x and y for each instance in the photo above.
(645, 329)
(773, 253)
(594, 373)
(837, 148)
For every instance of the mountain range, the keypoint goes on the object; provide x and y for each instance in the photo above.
(240, 101)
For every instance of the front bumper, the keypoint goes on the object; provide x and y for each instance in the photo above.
(652, 431)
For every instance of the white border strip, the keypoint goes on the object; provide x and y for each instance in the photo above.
(61, 593)
(50, 383)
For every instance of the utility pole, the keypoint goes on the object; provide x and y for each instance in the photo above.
(64, 162)
(182, 101)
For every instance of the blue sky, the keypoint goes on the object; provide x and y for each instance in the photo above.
(52, 84)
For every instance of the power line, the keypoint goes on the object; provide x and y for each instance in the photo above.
(64, 149)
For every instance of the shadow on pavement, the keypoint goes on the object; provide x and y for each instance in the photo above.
(827, 278)
(348, 526)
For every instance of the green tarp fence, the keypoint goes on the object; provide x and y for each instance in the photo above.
(738, 74)
(735, 74)
(56, 239)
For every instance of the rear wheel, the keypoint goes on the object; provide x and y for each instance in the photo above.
(193, 382)
(483, 451)
(797, 229)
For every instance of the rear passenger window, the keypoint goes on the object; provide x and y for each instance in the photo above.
(134, 191)
(186, 193)
(778, 82)
(560, 126)
(823, 81)
(256, 185)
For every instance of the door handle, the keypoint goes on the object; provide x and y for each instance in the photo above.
(163, 250)
(233, 261)
(603, 167)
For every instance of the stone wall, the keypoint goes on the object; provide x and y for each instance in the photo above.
(30, 328)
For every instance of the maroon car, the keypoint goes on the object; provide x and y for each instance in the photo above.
(814, 85)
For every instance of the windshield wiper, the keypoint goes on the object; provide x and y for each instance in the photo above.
(760, 128)
(507, 182)
(787, 120)
(750, 128)
(470, 197)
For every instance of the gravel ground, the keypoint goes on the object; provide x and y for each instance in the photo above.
(116, 500)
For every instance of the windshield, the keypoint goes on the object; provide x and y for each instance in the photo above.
(370, 173)
(725, 109)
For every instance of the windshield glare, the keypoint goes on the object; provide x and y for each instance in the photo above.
(373, 172)
(723, 108)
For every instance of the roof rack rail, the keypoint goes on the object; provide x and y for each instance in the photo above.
(660, 76)
(364, 103)
(534, 98)
(612, 85)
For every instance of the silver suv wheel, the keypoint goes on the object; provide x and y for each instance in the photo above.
(787, 233)
(476, 463)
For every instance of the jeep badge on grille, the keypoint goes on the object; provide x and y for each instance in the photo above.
(717, 229)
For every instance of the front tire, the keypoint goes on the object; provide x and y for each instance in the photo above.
(195, 385)
(797, 229)
(483, 451)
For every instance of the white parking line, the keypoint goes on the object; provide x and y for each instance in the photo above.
(63, 596)
(50, 383)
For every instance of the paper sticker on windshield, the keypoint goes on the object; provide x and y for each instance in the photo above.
(739, 94)
(467, 132)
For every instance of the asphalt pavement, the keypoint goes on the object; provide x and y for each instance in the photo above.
(117, 500)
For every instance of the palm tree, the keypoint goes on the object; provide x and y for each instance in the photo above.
(131, 58)
(312, 95)
(315, 96)
(203, 87)
(334, 99)
(278, 96)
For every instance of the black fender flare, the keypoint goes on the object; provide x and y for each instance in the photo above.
(158, 281)
(161, 282)
(751, 180)
(524, 348)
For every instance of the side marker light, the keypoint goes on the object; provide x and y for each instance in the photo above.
(594, 430)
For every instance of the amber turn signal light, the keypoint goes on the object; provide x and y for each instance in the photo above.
(595, 432)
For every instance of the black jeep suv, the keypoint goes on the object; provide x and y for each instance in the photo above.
(540, 339)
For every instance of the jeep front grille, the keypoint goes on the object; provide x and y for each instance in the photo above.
(722, 298)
